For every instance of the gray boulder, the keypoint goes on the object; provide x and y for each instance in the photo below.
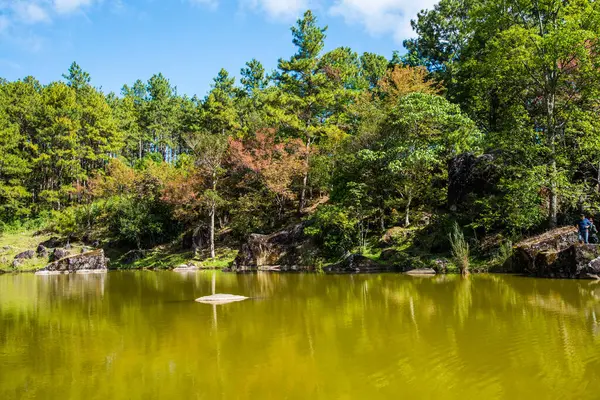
(556, 254)
(286, 250)
(52, 243)
(93, 261)
(42, 251)
(132, 256)
(59, 254)
(26, 255)
(592, 269)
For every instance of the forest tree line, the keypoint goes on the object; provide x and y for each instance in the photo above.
(361, 140)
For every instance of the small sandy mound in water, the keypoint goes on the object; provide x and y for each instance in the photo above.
(221, 299)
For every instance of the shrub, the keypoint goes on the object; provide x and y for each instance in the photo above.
(460, 249)
(65, 221)
(505, 252)
(334, 229)
(138, 222)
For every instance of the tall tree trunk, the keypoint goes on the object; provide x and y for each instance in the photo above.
(280, 206)
(407, 211)
(552, 169)
(213, 211)
(212, 230)
(598, 179)
(553, 206)
(302, 200)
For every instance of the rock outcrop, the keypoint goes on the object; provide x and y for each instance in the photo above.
(286, 250)
(393, 236)
(52, 243)
(556, 254)
(471, 174)
(42, 251)
(26, 255)
(132, 256)
(592, 269)
(58, 254)
(90, 262)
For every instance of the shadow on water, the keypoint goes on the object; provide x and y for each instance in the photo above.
(140, 335)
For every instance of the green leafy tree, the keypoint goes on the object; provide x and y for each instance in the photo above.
(130, 111)
(14, 164)
(373, 68)
(77, 78)
(210, 151)
(253, 78)
(306, 93)
(220, 112)
(161, 116)
(527, 71)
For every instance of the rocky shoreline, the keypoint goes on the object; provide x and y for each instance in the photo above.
(554, 254)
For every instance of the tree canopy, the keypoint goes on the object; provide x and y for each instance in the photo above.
(369, 138)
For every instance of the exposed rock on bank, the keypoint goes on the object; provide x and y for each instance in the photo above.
(26, 255)
(42, 251)
(90, 262)
(186, 268)
(287, 250)
(132, 256)
(557, 254)
(470, 174)
(59, 254)
(52, 243)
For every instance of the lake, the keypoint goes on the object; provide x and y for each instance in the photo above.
(141, 335)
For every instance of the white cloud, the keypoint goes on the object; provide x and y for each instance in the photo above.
(378, 17)
(70, 6)
(381, 17)
(30, 12)
(285, 9)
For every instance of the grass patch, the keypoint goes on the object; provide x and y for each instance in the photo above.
(224, 256)
(13, 243)
(372, 253)
(171, 256)
(160, 257)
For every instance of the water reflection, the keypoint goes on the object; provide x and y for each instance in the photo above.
(140, 335)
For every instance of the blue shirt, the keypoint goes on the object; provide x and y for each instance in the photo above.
(584, 224)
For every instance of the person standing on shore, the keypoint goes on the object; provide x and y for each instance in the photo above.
(584, 225)
(593, 237)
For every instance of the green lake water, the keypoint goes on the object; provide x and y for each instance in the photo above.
(140, 335)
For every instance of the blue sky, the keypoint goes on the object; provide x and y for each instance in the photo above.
(119, 41)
